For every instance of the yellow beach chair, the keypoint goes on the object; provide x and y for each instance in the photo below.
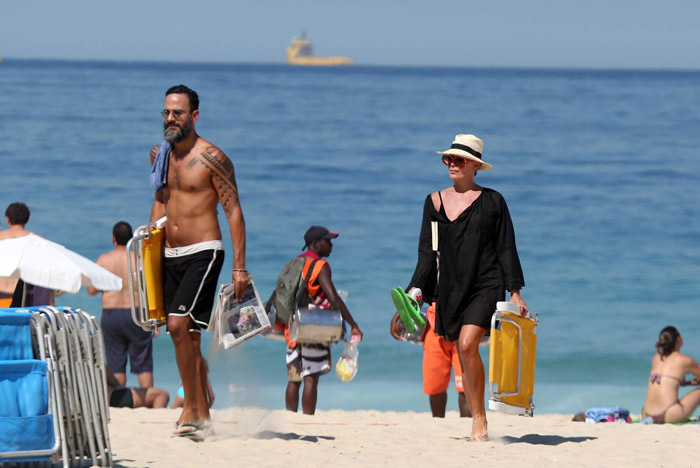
(512, 360)
(144, 256)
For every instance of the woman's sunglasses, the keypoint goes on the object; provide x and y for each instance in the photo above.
(456, 160)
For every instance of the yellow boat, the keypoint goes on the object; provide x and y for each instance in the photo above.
(300, 52)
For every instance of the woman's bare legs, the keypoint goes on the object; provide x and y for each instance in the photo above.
(688, 405)
(473, 378)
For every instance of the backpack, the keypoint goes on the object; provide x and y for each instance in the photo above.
(290, 291)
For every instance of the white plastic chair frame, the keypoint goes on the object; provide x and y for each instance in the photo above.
(59, 354)
(76, 436)
(71, 341)
(95, 378)
(45, 347)
(91, 383)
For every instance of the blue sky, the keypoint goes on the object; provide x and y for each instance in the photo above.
(535, 33)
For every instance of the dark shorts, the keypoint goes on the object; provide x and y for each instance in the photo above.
(190, 285)
(121, 397)
(123, 337)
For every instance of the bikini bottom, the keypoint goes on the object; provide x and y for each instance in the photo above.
(659, 418)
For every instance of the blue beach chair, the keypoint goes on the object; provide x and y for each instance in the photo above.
(61, 397)
(28, 431)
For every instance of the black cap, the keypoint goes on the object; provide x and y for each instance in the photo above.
(315, 233)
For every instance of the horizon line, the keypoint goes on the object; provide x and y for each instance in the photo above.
(4, 59)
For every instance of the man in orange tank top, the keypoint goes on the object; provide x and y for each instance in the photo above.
(307, 362)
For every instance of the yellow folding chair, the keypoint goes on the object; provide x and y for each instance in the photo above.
(512, 360)
(144, 254)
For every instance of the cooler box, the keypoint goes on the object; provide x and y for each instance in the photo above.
(512, 361)
(316, 326)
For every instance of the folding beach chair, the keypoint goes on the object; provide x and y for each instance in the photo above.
(91, 353)
(512, 360)
(29, 430)
(83, 380)
(45, 345)
(146, 274)
(70, 343)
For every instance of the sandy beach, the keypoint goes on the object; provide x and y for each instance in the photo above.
(275, 438)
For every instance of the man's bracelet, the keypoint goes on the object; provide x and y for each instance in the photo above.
(240, 269)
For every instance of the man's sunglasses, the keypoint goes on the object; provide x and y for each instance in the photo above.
(176, 113)
(456, 160)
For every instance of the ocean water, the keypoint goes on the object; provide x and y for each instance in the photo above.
(599, 169)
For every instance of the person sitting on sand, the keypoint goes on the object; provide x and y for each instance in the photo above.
(132, 397)
(668, 369)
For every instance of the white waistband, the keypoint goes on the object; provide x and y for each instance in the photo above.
(171, 252)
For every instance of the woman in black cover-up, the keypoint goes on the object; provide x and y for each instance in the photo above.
(477, 259)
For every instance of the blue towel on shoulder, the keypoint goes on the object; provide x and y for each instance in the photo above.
(159, 171)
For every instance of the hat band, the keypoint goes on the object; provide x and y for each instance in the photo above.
(466, 148)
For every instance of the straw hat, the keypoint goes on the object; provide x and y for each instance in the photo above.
(468, 147)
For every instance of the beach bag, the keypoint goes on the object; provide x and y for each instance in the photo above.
(291, 292)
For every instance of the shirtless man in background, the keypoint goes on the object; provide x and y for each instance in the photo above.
(191, 177)
(16, 216)
(121, 335)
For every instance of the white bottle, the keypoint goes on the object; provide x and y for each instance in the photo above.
(417, 294)
(346, 368)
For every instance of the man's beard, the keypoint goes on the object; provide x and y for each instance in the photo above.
(176, 134)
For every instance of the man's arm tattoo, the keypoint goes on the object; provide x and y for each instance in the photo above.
(223, 176)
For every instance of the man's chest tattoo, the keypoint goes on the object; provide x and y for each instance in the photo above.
(193, 162)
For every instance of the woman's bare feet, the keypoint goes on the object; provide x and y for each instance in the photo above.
(480, 430)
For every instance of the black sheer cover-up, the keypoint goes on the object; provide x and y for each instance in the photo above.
(478, 262)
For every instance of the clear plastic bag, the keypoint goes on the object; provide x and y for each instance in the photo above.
(346, 368)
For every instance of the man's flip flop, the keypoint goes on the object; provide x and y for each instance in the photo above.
(479, 438)
(196, 432)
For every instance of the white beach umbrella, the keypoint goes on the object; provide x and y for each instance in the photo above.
(50, 265)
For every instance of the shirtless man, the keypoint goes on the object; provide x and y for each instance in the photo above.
(121, 335)
(196, 176)
(16, 216)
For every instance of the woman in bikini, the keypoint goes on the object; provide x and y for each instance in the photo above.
(476, 262)
(668, 370)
